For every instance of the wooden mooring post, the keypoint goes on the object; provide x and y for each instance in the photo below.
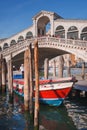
(60, 66)
(68, 68)
(83, 70)
(31, 81)
(26, 80)
(36, 111)
(4, 72)
(0, 72)
(10, 78)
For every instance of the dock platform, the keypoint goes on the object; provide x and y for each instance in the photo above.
(81, 85)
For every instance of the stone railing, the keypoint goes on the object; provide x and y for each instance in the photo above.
(78, 44)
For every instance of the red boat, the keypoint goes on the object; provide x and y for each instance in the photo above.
(51, 92)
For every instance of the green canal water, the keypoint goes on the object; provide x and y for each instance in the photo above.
(71, 115)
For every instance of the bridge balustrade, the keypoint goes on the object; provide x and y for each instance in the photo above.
(47, 41)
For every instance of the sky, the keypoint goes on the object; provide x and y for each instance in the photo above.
(16, 15)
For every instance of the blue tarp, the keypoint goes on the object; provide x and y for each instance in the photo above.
(18, 76)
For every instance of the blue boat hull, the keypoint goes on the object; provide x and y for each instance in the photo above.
(51, 102)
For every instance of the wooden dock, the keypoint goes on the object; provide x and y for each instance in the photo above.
(81, 85)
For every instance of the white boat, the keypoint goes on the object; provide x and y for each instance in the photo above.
(51, 92)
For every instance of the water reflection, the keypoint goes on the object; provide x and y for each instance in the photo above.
(13, 117)
(55, 118)
(10, 118)
(77, 110)
(51, 118)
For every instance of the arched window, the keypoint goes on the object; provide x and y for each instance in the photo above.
(84, 34)
(43, 26)
(21, 38)
(13, 42)
(60, 32)
(5, 46)
(29, 35)
(72, 33)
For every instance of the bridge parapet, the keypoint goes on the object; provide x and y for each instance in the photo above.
(63, 40)
(51, 42)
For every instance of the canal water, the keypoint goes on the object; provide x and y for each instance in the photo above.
(71, 115)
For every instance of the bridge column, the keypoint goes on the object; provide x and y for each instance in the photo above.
(60, 66)
(4, 71)
(54, 68)
(52, 26)
(65, 34)
(10, 76)
(35, 27)
(46, 68)
(79, 32)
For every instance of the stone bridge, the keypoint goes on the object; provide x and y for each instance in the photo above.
(49, 47)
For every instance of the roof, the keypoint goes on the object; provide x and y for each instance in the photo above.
(56, 16)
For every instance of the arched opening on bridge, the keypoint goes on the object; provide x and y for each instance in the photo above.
(0, 49)
(60, 32)
(18, 60)
(13, 42)
(29, 35)
(43, 26)
(5, 46)
(72, 33)
(21, 38)
(84, 34)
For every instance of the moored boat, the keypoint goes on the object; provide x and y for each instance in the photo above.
(51, 92)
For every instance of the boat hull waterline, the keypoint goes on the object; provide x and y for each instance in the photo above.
(52, 93)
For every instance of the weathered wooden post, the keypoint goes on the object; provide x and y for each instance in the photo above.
(83, 70)
(10, 76)
(46, 68)
(60, 66)
(31, 80)
(27, 120)
(68, 67)
(4, 71)
(26, 80)
(36, 112)
(1, 72)
(54, 68)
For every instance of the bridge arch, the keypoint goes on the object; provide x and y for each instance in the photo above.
(42, 27)
(5, 46)
(60, 31)
(20, 38)
(84, 34)
(72, 32)
(29, 35)
(13, 42)
(76, 47)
